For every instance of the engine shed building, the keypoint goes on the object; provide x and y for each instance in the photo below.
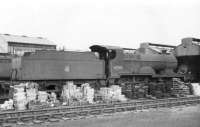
(17, 45)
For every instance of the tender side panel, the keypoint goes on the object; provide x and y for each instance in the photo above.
(62, 66)
(5, 68)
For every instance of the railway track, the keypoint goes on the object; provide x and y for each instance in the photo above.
(67, 112)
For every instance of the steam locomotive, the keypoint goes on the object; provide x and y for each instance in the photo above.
(102, 66)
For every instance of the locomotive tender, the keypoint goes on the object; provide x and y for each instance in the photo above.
(104, 65)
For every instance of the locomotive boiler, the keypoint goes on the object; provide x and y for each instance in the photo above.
(141, 63)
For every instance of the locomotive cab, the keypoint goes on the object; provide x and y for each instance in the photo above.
(106, 53)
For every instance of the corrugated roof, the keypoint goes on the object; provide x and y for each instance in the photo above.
(25, 39)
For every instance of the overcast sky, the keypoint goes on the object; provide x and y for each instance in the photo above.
(77, 24)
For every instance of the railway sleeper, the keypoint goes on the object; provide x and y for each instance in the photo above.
(81, 107)
(197, 101)
(138, 107)
(2, 121)
(37, 112)
(83, 113)
(190, 102)
(172, 104)
(70, 115)
(109, 106)
(152, 106)
(57, 115)
(25, 113)
(53, 111)
(120, 109)
(42, 117)
(109, 110)
(126, 104)
(144, 107)
(72, 108)
(183, 103)
(14, 114)
(162, 104)
(12, 120)
(149, 106)
(95, 112)
(131, 108)
(179, 103)
(53, 120)
(131, 104)
(27, 118)
(149, 102)
(3, 115)
(194, 102)
(139, 103)
(95, 107)
(63, 110)
(169, 104)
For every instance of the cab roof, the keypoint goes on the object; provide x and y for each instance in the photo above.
(103, 47)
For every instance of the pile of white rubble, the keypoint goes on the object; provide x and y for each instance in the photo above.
(20, 97)
(72, 93)
(26, 95)
(8, 105)
(196, 89)
(112, 93)
(42, 96)
(31, 91)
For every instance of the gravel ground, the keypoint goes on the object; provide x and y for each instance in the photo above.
(166, 117)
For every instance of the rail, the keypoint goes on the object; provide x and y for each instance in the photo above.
(69, 112)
